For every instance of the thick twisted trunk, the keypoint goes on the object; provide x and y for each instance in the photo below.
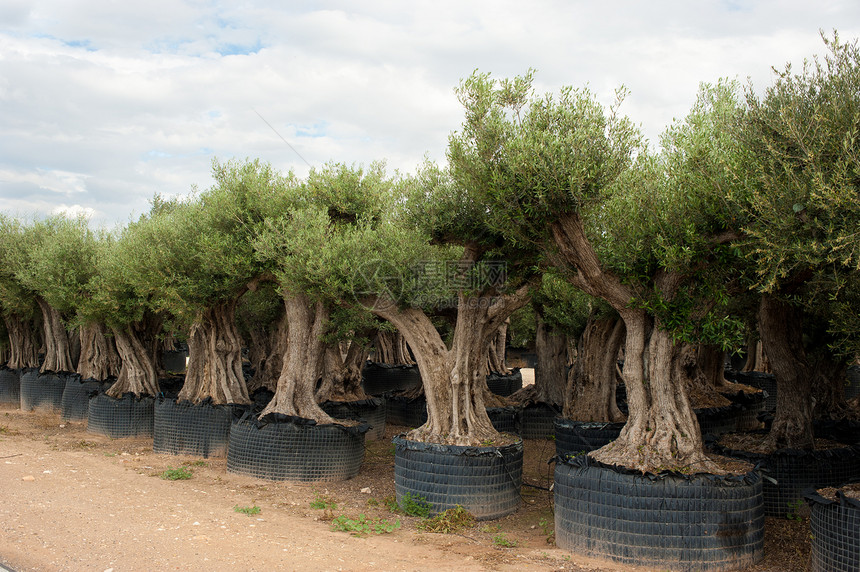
(590, 392)
(137, 374)
(496, 350)
(756, 358)
(269, 358)
(551, 367)
(454, 378)
(781, 330)
(57, 355)
(391, 348)
(303, 360)
(23, 345)
(661, 430)
(828, 391)
(215, 358)
(99, 358)
(341, 378)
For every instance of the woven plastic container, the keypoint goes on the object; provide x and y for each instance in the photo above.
(485, 481)
(667, 521)
(282, 448)
(128, 416)
(183, 428)
(835, 528)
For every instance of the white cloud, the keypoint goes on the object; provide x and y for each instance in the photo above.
(110, 103)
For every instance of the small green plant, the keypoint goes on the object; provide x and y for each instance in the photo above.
(247, 510)
(503, 541)
(323, 503)
(794, 510)
(414, 505)
(199, 463)
(363, 526)
(449, 521)
(546, 527)
(180, 474)
(372, 502)
(491, 528)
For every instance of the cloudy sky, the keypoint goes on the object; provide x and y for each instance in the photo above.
(105, 103)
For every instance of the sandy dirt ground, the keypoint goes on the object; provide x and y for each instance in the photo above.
(73, 501)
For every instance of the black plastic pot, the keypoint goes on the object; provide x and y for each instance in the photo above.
(538, 419)
(404, 411)
(835, 528)
(485, 481)
(282, 448)
(42, 391)
(184, 428)
(379, 378)
(371, 411)
(759, 380)
(505, 385)
(668, 521)
(174, 360)
(574, 437)
(751, 405)
(789, 473)
(506, 419)
(128, 416)
(718, 420)
(76, 397)
(10, 386)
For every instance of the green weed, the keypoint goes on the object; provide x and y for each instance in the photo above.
(363, 526)
(503, 541)
(449, 521)
(180, 474)
(248, 510)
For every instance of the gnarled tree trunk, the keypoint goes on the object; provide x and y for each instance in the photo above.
(341, 378)
(828, 391)
(661, 430)
(592, 380)
(781, 330)
(268, 359)
(391, 348)
(23, 345)
(303, 360)
(57, 356)
(756, 358)
(215, 358)
(99, 358)
(496, 350)
(454, 379)
(137, 374)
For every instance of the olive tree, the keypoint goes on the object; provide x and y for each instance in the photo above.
(802, 229)
(644, 232)
(17, 304)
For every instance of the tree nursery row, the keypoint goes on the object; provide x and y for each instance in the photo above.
(692, 309)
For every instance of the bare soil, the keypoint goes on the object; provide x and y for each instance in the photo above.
(74, 501)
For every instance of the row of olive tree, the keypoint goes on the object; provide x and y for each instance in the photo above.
(750, 202)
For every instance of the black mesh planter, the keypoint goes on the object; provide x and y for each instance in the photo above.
(128, 416)
(751, 405)
(538, 421)
(10, 386)
(485, 481)
(668, 521)
(184, 428)
(371, 411)
(835, 528)
(294, 449)
(405, 411)
(76, 397)
(759, 380)
(174, 360)
(573, 437)
(505, 385)
(42, 391)
(379, 378)
(789, 473)
(718, 420)
(506, 419)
